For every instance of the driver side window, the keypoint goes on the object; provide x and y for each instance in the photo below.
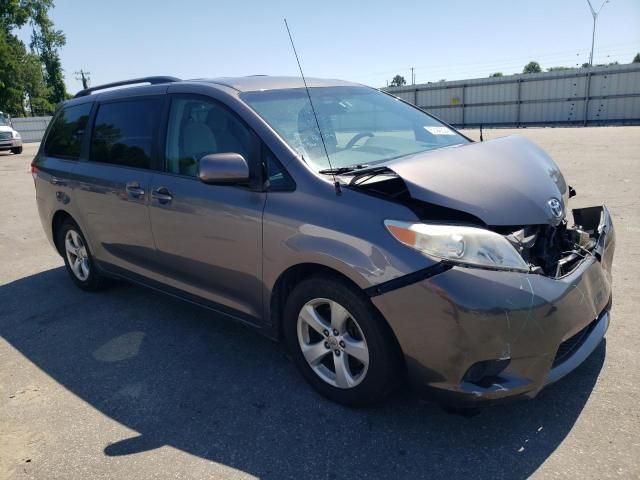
(198, 127)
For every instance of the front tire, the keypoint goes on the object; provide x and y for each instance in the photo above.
(340, 343)
(17, 150)
(78, 259)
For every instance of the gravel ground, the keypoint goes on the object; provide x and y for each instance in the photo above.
(128, 383)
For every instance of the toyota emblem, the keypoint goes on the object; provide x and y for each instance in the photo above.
(555, 206)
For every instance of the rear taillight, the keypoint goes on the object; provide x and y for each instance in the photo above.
(34, 170)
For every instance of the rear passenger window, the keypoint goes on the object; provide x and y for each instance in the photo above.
(123, 132)
(65, 136)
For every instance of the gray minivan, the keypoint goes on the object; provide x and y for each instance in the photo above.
(378, 242)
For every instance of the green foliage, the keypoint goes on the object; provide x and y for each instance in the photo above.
(532, 67)
(13, 14)
(11, 91)
(45, 40)
(398, 81)
(496, 74)
(558, 69)
(36, 90)
(636, 59)
(34, 81)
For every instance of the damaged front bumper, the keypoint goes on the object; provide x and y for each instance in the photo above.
(472, 335)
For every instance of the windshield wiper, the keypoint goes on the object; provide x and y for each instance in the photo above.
(362, 177)
(342, 170)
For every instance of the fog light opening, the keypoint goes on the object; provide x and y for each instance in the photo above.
(486, 373)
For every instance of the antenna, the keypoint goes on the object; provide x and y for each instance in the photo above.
(324, 145)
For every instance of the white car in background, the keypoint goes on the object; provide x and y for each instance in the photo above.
(10, 139)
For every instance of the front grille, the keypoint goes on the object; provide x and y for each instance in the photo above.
(5, 135)
(570, 345)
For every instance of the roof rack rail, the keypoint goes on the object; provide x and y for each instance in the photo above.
(133, 81)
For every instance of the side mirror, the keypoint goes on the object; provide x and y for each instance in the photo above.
(223, 168)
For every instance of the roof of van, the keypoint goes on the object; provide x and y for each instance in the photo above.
(240, 84)
(266, 82)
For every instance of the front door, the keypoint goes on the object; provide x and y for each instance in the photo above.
(208, 237)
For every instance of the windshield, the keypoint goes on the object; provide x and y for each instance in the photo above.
(360, 126)
(4, 121)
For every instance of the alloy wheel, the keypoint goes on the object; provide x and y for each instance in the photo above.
(332, 343)
(77, 255)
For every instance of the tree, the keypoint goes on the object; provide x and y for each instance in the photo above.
(13, 14)
(45, 41)
(36, 91)
(11, 92)
(21, 73)
(636, 59)
(398, 81)
(557, 69)
(532, 67)
(496, 74)
(586, 65)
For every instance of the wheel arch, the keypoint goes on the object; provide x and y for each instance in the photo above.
(56, 222)
(287, 281)
(293, 275)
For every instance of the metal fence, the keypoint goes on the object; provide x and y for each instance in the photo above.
(585, 96)
(31, 128)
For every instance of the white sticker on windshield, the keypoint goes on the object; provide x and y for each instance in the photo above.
(439, 131)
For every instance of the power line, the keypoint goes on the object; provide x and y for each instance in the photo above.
(608, 48)
(572, 59)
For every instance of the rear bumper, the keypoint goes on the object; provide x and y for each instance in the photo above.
(541, 328)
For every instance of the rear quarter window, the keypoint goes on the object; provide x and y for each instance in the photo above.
(67, 129)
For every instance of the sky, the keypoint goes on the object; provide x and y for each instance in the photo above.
(362, 41)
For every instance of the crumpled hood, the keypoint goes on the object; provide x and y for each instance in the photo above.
(506, 181)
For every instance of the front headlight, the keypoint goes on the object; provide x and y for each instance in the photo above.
(464, 245)
(16, 135)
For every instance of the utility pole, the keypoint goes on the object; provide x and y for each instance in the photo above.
(84, 76)
(594, 14)
(413, 77)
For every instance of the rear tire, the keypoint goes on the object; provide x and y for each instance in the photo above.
(17, 150)
(340, 342)
(78, 259)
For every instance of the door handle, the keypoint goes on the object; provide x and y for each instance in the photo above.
(162, 194)
(134, 189)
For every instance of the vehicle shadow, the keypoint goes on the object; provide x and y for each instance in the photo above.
(183, 377)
